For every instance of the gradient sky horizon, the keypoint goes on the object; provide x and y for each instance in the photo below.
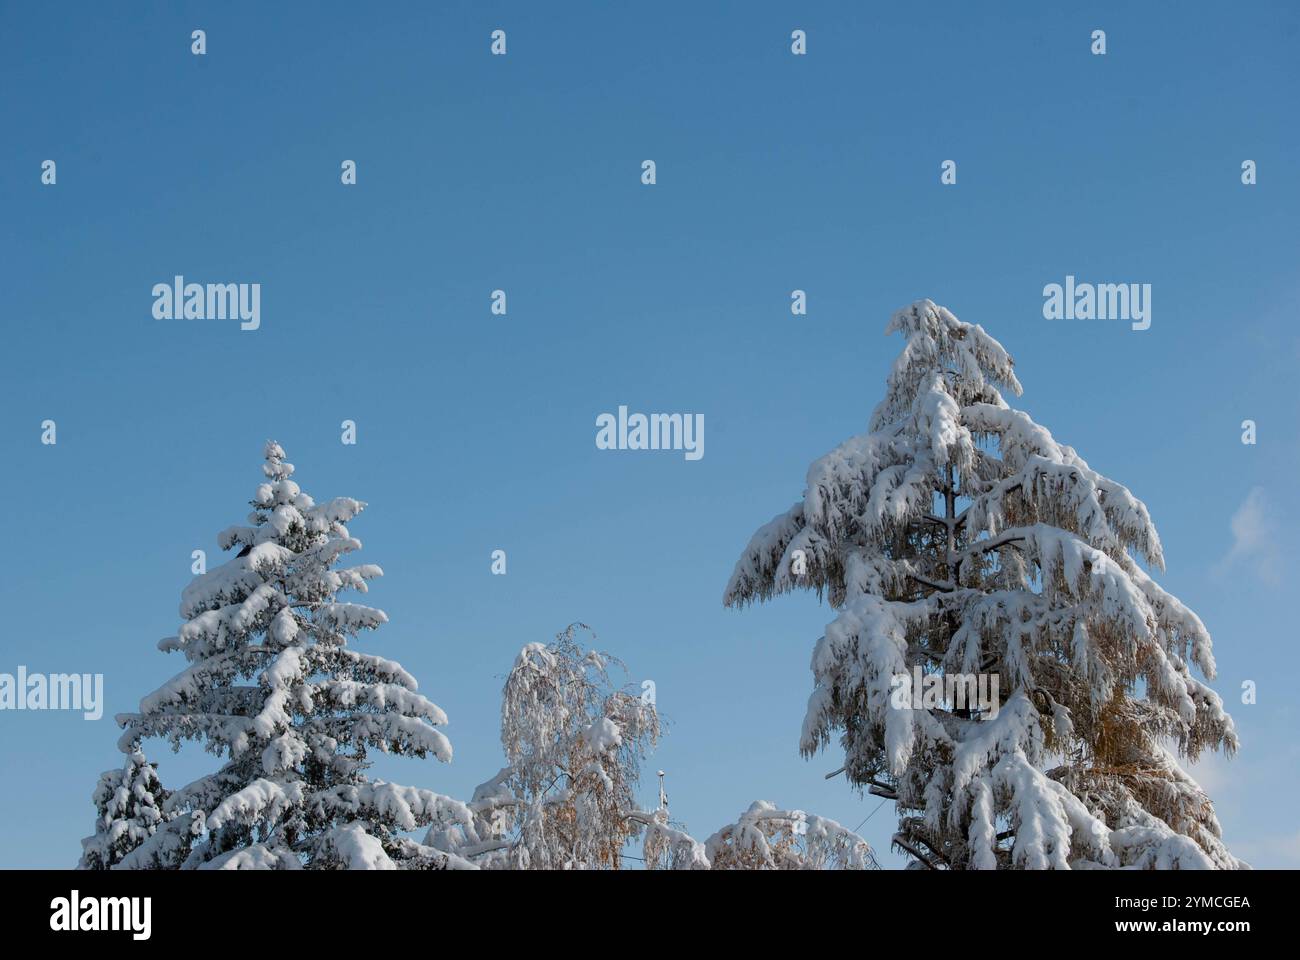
(476, 432)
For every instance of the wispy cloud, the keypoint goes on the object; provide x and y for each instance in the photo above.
(1254, 543)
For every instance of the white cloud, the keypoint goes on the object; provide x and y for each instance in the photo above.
(1254, 545)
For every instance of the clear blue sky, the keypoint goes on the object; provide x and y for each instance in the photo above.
(476, 432)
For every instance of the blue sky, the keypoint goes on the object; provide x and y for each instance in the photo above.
(476, 432)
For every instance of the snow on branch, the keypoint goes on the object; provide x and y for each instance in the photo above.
(958, 538)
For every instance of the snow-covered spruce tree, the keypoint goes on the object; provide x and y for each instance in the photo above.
(574, 743)
(128, 804)
(959, 537)
(274, 689)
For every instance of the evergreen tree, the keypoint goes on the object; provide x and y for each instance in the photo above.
(958, 537)
(129, 803)
(273, 687)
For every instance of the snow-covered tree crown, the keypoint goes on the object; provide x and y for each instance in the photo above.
(959, 537)
(762, 838)
(128, 810)
(274, 688)
(574, 740)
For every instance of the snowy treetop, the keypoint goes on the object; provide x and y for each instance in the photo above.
(957, 536)
(273, 686)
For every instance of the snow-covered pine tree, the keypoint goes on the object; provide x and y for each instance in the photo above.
(574, 743)
(958, 536)
(273, 687)
(128, 803)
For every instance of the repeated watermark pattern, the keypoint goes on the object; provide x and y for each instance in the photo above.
(1099, 301)
(179, 300)
(966, 692)
(655, 431)
(22, 690)
(802, 545)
